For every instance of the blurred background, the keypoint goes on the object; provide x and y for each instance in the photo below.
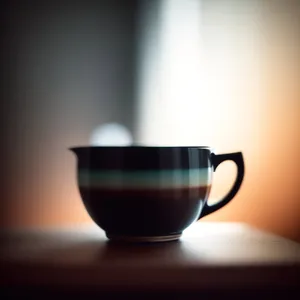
(223, 73)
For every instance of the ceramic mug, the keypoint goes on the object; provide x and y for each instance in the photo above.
(149, 194)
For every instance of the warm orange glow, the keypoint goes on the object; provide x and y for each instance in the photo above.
(270, 195)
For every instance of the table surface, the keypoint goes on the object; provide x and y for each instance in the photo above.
(208, 255)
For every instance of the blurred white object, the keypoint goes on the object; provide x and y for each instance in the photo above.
(111, 134)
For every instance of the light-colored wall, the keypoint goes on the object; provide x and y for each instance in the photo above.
(69, 69)
(266, 104)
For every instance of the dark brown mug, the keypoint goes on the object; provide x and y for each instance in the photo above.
(145, 194)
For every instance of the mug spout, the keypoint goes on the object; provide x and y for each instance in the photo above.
(74, 150)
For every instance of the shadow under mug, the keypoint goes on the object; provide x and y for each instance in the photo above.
(149, 194)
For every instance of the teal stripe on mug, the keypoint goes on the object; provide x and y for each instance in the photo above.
(145, 179)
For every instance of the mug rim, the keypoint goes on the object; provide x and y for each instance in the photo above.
(140, 147)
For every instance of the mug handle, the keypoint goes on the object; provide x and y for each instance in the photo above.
(237, 158)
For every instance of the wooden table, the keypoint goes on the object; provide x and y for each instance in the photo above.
(219, 260)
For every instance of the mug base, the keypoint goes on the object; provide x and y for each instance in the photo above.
(143, 239)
